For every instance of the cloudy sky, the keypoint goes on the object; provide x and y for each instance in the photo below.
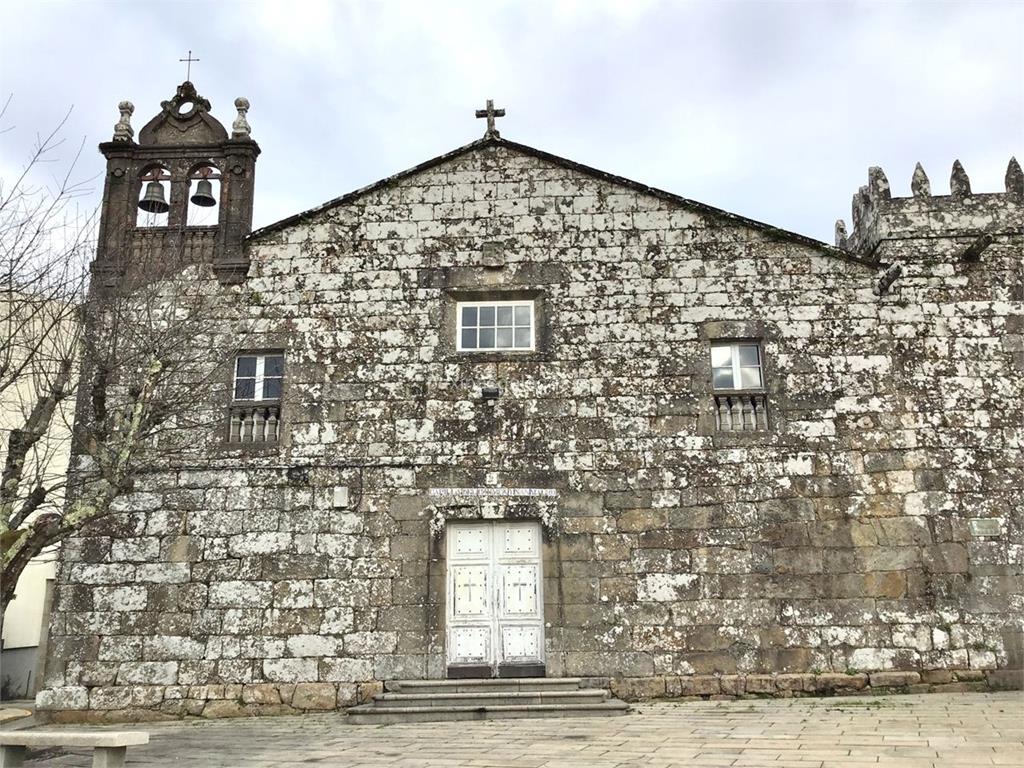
(773, 110)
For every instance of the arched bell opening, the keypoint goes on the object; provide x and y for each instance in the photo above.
(203, 196)
(154, 197)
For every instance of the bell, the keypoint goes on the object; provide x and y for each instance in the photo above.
(204, 194)
(154, 202)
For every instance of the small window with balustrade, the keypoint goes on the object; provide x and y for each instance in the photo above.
(256, 405)
(737, 373)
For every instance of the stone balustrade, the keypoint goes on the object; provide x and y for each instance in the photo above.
(255, 423)
(741, 412)
(189, 245)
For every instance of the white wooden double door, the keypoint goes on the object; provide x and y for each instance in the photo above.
(495, 602)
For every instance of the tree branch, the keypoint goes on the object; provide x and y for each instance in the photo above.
(35, 499)
(20, 441)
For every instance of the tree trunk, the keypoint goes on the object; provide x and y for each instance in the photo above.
(4, 600)
(43, 532)
(8, 583)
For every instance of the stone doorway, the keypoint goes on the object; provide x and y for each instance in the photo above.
(494, 600)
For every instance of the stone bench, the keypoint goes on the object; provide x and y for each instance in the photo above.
(109, 747)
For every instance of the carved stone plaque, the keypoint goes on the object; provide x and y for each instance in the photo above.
(985, 526)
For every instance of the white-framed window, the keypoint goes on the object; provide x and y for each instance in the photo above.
(495, 325)
(259, 377)
(737, 366)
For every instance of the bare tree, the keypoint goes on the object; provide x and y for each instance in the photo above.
(45, 241)
(135, 357)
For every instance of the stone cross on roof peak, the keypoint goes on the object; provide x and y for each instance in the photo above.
(490, 113)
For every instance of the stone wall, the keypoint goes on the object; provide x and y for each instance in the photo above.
(790, 685)
(836, 544)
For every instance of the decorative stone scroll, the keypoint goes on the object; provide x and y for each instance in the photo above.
(184, 119)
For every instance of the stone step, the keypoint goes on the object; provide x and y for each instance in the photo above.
(375, 714)
(423, 701)
(490, 684)
(491, 698)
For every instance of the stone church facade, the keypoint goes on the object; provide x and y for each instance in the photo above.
(506, 415)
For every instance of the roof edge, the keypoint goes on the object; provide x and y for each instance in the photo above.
(768, 229)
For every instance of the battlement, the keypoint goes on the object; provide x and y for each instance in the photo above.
(879, 217)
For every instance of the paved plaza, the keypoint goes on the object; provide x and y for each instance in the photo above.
(965, 730)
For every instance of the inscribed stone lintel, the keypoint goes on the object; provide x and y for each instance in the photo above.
(549, 492)
(492, 504)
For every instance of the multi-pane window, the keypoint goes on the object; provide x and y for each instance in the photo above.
(495, 325)
(256, 408)
(736, 366)
(737, 376)
(258, 377)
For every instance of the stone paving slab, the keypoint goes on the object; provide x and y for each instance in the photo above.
(963, 730)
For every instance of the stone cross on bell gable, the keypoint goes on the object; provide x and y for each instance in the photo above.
(490, 113)
(189, 60)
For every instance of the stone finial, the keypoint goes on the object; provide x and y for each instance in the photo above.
(878, 184)
(841, 236)
(858, 206)
(240, 128)
(959, 183)
(1014, 178)
(123, 131)
(919, 183)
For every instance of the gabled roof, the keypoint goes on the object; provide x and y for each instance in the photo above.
(768, 229)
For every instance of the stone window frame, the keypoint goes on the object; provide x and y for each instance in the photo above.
(449, 324)
(736, 366)
(233, 404)
(496, 304)
(772, 382)
(259, 377)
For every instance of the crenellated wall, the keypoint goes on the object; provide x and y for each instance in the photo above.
(879, 219)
